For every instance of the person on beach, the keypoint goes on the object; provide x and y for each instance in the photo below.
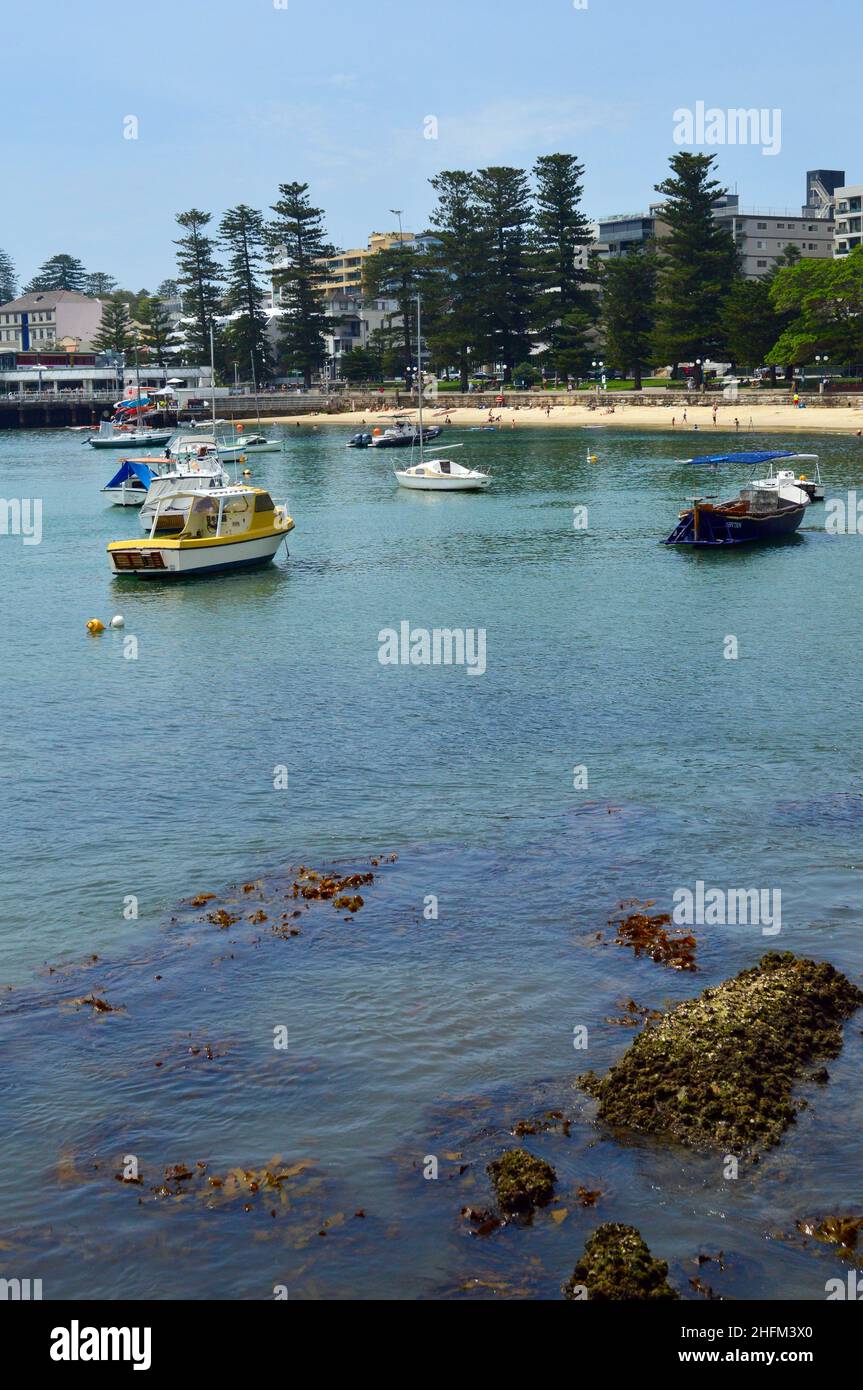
(736, 424)
(673, 421)
(684, 417)
(715, 408)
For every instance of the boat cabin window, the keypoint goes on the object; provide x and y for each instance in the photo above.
(263, 502)
(202, 518)
(236, 515)
(443, 465)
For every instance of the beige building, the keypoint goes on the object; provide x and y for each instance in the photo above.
(344, 270)
(49, 319)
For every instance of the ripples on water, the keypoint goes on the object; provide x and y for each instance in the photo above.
(407, 1037)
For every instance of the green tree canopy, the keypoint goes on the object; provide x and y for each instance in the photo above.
(565, 308)
(155, 330)
(398, 273)
(246, 346)
(115, 330)
(628, 309)
(8, 278)
(455, 278)
(200, 281)
(298, 236)
(823, 300)
(697, 263)
(504, 212)
(99, 285)
(61, 272)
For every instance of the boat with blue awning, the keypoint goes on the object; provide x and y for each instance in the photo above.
(754, 458)
(129, 485)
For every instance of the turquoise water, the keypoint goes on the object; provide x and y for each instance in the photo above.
(409, 1037)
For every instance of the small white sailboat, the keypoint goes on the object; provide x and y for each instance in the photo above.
(111, 437)
(442, 475)
(436, 474)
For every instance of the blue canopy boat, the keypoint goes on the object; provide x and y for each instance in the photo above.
(766, 509)
(128, 487)
(752, 458)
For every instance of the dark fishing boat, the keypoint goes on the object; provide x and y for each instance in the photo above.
(404, 434)
(757, 514)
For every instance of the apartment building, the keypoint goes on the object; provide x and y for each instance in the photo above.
(760, 236)
(848, 227)
(49, 319)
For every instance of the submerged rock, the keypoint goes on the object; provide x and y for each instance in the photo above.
(521, 1182)
(617, 1265)
(718, 1070)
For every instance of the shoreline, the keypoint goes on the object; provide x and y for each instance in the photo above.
(752, 419)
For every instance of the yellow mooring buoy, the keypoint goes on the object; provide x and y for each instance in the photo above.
(94, 627)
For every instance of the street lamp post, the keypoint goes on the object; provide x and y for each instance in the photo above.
(822, 358)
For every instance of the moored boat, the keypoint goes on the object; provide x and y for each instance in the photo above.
(225, 528)
(403, 434)
(753, 458)
(125, 438)
(129, 485)
(756, 514)
(442, 475)
(437, 474)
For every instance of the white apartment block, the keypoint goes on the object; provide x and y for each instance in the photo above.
(848, 227)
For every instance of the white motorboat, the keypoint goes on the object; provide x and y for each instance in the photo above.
(189, 475)
(437, 474)
(788, 477)
(201, 446)
(442, 475)
(227, 528)
(138, 482)
(810, 482)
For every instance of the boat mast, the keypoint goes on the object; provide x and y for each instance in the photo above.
(213, 380)
(420, 374)
(138, 388)
(255, 385)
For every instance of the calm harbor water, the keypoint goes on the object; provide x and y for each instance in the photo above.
(408, 1036)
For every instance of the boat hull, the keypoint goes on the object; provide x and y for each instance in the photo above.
(442, 484)
(152, 560)
(126, 496)
(717, 530)
(130, 442)
(405, 441)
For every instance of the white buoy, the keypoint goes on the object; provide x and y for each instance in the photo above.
(118, 620)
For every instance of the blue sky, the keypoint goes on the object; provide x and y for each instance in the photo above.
(234, 96)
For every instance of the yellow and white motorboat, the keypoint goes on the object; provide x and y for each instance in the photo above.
(193, 533)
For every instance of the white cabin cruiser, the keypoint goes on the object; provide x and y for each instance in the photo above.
(810, 482)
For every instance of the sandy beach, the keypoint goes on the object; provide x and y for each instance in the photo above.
(753, 419)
